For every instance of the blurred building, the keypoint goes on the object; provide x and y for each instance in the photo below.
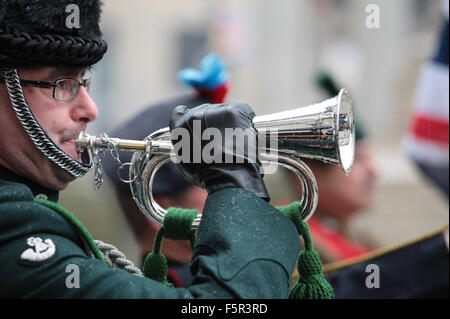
(273, 50)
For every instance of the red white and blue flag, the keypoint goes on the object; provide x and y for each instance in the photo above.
(427, 142)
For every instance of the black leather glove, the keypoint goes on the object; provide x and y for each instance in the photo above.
(213, 175)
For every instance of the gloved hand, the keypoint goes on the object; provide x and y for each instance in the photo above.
(197, 165)
(211, 81)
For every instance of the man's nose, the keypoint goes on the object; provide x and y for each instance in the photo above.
(84, 110)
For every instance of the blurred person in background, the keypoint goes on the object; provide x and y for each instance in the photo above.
(211, 84)
(341, 197)
(417, 268)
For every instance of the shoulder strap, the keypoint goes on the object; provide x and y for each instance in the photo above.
(87, 238)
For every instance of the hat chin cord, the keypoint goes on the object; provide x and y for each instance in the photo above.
(37, 135)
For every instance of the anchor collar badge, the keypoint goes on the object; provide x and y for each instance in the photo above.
(40, 250)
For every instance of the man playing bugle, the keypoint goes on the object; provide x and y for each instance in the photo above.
(244, 247)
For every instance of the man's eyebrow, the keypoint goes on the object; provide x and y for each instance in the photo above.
(65, 72)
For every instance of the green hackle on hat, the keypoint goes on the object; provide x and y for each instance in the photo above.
(325, 82)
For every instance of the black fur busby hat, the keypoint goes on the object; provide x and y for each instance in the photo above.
(50, 32)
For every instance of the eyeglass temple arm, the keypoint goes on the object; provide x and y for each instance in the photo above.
(41, 84)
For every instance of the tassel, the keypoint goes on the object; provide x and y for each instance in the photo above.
(155, 267)
(311, 283)
(155, 264)
(176, 226)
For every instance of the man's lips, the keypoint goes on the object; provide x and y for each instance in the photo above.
(72, 146)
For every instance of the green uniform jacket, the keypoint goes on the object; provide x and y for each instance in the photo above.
(245, 249)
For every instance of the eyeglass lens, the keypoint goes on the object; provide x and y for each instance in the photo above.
(67, 89)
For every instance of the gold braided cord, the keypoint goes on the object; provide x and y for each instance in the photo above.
(328, 268)
(381, 251)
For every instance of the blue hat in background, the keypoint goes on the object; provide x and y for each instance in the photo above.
(168, 179)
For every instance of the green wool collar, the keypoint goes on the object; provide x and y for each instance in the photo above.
(35, 188)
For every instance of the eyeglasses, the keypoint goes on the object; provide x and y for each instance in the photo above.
(63, 89)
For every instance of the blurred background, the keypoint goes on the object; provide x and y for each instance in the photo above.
(273, 50)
